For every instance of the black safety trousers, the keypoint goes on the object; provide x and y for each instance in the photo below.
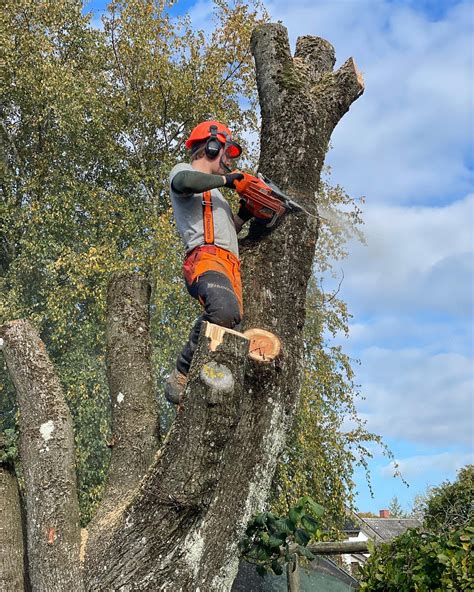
(221, 307)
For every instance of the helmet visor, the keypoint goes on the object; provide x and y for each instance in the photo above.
(232, 149)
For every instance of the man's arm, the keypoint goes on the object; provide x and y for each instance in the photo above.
(188, 182)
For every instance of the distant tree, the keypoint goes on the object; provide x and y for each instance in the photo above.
(451, 505)
(396, 509)
(367, 515)
(438, 556)
(418, 508)
(422, 561)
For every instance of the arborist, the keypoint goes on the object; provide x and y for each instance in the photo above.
(209, 231)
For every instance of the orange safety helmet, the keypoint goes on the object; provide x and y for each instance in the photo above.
(219, 132)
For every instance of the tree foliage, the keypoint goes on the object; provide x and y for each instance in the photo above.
(272, 541)
(451, 505)
(422, 562)
(395, 509)
(91, 122)
(438, 557)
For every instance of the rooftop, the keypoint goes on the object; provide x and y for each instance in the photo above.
(385, 529)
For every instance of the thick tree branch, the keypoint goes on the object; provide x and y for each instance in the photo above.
(135, 422)
(316, 54)
(271, 51)
(293, 575)
(301, 101)
(11, 533)
(346, 85)
(339, 548)
(47, 453)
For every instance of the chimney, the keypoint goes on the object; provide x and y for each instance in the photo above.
(384, 514)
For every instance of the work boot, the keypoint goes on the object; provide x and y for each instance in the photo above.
(174, 387)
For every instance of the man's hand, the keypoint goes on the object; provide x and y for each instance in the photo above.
(230, 178)
(244, 213)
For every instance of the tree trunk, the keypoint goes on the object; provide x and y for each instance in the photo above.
(11, 533)
(135, 422)
(178, 527)
(47, 454)
(340, 547)
(293, 575)
(165, 535)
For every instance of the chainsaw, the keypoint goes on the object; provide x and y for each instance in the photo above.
(264, 199)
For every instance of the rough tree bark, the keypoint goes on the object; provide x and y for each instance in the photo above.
(135, 422)
(177, 527)
(11, 535)
(47, 454)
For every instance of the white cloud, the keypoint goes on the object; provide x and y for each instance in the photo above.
(202, 16)
(418, 397)
(416, 260)
(408, 137)
(415, 466)
(432, 336)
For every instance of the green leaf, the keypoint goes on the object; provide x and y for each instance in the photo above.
(260, 519)
(295, 514)
(258, 553)
(275, 542)
(315, 508)
(302, 537)
(283, 526)
(442, 558)
(309, 523)
(271, 518)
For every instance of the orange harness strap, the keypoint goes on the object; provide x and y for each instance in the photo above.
(207, 218)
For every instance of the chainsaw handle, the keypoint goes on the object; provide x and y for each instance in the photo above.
(241, 186)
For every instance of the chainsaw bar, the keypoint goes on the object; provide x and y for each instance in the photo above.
(288, 203)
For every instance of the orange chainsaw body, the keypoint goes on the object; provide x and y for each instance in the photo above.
(264, 199)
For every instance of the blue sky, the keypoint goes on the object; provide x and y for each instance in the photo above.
(407, 146)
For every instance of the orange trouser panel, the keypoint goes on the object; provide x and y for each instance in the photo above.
(212, 258)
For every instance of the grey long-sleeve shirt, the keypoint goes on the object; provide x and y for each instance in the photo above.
(186, 199)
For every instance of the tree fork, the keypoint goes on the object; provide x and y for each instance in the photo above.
(157, 533)
(180, 528)
(47, 453)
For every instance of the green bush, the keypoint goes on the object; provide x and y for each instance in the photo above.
(420, 561)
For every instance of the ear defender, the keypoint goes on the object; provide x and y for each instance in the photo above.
(213, 146)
